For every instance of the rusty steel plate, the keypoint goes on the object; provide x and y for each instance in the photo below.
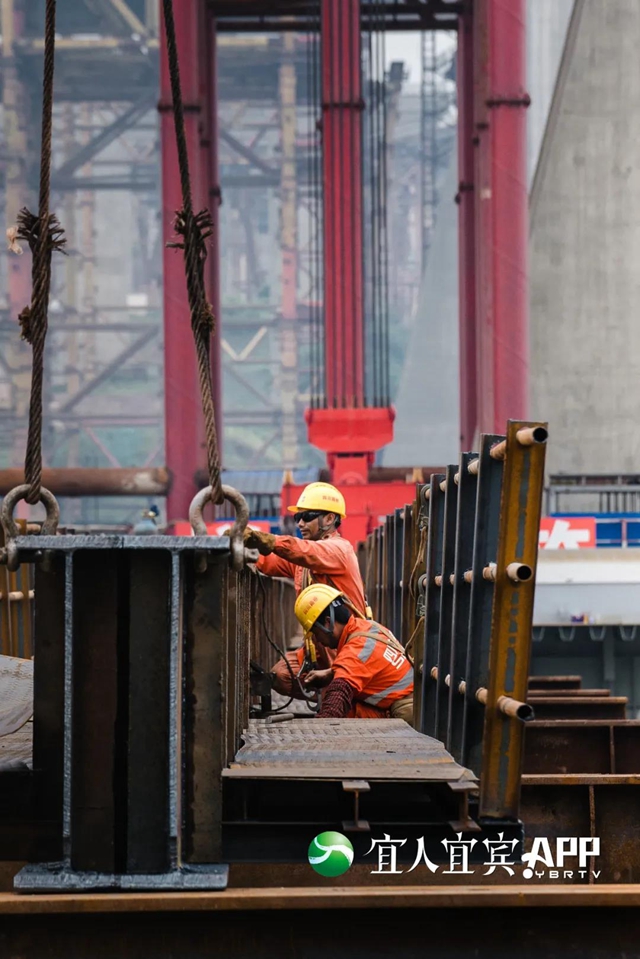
(16, 749)
(387, 749)
(16, 693)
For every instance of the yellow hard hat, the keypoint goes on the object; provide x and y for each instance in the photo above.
(312, 601)
(321, 496)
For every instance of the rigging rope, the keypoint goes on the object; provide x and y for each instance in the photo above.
(44, 234)
(194, 228)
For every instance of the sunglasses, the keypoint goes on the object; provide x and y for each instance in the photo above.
(307, 516)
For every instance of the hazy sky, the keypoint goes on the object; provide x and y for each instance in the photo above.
(406, 47)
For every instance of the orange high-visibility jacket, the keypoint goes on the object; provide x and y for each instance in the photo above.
(331, 560)
(372, 661)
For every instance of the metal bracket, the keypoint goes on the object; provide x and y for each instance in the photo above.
(464, 823)
(356, 786)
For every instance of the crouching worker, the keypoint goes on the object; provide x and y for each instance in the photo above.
(370, 677)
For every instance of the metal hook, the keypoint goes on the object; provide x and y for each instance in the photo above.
(11, 531)
(236, 533)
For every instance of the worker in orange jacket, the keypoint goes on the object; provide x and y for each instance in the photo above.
(370, 675)
(321, 556)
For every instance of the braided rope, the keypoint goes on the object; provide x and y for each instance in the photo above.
(44, 234)
(194, 230)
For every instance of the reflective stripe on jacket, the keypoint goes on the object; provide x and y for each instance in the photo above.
(372, 661)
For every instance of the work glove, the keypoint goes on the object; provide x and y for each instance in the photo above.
(263, 542)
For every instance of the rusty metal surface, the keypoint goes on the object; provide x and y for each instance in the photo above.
(551, 682)
(567, 693)
(152, 481)
(16, 693)
(386, 749)
(16, 749)
(509, 662)
(589, 805)
(582, 746)
(574, 707)
(352, 926)
(625, 895)
(469, 631)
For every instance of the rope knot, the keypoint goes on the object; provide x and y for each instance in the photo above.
(29, 229)
(194, 228)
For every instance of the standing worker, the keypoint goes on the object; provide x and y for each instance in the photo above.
(321, 556)
(370, 676)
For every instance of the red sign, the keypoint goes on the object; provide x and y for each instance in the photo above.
(575, 532)
(220, 528)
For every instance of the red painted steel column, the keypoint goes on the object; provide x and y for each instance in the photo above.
(213, 200)
(342, 172)
(466, 235)
(501, 213)
(184, 432)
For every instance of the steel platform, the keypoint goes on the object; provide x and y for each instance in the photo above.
(365, 778)
(338, 749)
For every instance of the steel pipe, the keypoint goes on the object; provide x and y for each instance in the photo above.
(95, 482)
(517, 573)
(529, 436)
(15, 595)
(510, 707)
(532, 435)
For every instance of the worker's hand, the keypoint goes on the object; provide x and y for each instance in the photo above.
(263, 542)
(318, 678)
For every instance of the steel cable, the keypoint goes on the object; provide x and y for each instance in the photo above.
(44, 235)
(194, 230)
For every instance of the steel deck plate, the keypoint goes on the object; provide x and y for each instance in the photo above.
(387, 749)
(16, 749)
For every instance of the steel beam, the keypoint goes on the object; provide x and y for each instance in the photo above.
(213, 199)
(510, 653)
(594, 746)
(123, 122)
(184, 428)
(289, 245)
(342, 107)
(466, 236)
(247, 153)
(134, 347)
(95, 482)
(501, 205)
(126, 671)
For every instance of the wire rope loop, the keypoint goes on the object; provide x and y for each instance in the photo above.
(236, 533)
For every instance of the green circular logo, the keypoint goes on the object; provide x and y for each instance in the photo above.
(330, 854)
